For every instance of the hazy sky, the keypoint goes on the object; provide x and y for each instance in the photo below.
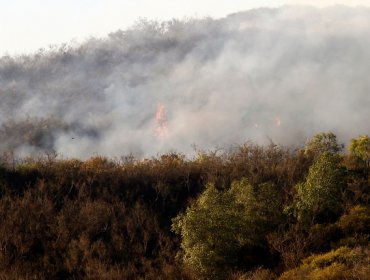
(27, 25)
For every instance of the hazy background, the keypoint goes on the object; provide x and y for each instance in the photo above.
(27, 25)
(280, 74)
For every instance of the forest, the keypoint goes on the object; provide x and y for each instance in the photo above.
(248, 212)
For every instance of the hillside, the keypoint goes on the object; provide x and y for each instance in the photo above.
(267, 74)
(116, 219)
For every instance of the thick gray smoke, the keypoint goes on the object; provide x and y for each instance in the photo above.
(267, 74)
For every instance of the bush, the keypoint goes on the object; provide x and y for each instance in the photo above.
(220, 223)
(355, 226)
(325, 142)
(257, 274)
(343, 263)
(319, 198)
(356, 221)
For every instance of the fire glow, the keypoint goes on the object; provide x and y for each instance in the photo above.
(161, 123)
(277, 121)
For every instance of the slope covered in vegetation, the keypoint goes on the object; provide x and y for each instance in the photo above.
(249, 213)
(285, 73)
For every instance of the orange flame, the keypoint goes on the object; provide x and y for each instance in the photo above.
(161, 129)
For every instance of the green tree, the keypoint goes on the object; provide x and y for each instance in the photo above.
(360, 148)
(319, 198)
(323, 142)
(220, 223)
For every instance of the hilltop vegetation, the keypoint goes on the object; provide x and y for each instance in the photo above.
(285, 73)
(249, 213)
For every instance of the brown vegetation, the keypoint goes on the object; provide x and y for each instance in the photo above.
(104, 219)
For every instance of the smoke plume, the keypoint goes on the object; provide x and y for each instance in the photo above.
(267, 74)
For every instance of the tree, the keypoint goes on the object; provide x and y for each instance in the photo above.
(360, 148)
(319, 198)
(323, 142)
(220, 223)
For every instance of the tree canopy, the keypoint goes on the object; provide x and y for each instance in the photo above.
(360, 148)
(323, 142)
(319, 197)
(220, 223)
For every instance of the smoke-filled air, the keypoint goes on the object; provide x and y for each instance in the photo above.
(263, 75)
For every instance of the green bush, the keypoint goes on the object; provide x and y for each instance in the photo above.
(319, 198)
(325, 142)
(219, 224)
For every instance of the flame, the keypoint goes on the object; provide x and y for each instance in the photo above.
(277, 121)
(161, 126)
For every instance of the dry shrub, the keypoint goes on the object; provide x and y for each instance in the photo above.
(343, 263)
(292, 245)
(25, 235)
(104, 219)
(356, 221)
(257, 274)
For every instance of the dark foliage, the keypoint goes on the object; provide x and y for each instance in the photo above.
(105, 219)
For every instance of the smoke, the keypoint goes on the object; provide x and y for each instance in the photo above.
(267, 74)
